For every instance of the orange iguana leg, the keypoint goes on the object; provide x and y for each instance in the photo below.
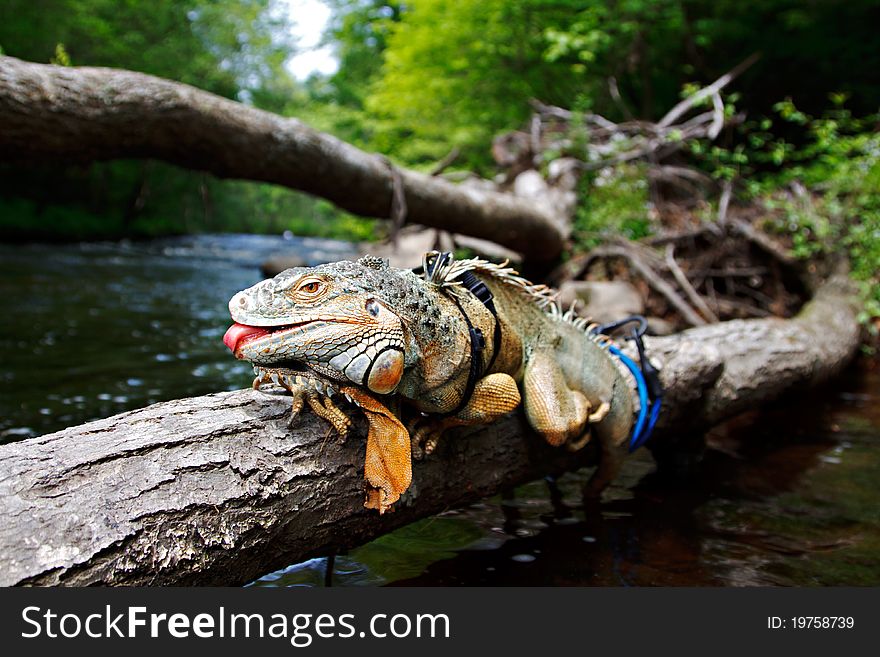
(563, 415)
(324, 408)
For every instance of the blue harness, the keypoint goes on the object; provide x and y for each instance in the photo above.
(648, 385)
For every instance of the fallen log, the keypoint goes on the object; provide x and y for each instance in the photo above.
(218, 490)
(83, 114)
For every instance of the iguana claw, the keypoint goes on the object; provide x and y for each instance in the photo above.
(425, 437)
(324, 407)
(296, 405)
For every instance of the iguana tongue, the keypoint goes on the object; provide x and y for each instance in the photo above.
(238, 332)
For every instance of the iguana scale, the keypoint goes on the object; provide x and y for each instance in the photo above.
(377, 335)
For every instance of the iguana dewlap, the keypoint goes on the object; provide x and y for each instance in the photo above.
(375, 334)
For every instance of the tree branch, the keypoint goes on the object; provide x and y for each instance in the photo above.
(652, 279)
(685, 285)
(217, 489)
(693, 100)
(86, 114)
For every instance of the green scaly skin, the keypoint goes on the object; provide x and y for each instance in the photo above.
(396, 335)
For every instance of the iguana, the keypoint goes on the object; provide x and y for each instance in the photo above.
(376, 335)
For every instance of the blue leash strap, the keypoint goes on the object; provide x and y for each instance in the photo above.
(648, 385)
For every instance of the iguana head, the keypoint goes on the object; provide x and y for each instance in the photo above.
(339, 320)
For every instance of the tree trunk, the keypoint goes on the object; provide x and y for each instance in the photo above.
(49, 113)
(218, 490)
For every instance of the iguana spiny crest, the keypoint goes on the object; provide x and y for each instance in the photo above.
(368, 330)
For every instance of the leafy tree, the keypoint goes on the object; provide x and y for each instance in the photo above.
(235, 48)
(359, 29)
(457, 71)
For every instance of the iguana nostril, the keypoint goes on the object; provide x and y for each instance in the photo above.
(239, 303)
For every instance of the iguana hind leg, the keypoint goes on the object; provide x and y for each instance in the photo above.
(597, 416)
(565, 416)
(610, 462)
(494, 396)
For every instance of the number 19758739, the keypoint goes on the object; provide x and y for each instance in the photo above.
(810, 623)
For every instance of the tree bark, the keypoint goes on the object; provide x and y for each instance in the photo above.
(85, 114)
(218, 490)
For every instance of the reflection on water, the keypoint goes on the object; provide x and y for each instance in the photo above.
(786, 496)
(90, 330)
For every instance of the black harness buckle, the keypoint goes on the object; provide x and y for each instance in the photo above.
(649, 372)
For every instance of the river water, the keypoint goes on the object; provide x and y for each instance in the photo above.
(784, 496)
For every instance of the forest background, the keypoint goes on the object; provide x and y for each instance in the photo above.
(418, 79)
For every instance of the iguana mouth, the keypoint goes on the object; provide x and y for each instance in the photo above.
(288, 375)
(238, 334)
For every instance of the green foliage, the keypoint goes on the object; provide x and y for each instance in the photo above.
(230, 47)
(840, 165)
(102, 203)
(421, 77)
(61, 57)
(613, 203)
(433, 74)
(638, 42)
(457, 71)
(822, 190)
(360, 30)
(155, 38)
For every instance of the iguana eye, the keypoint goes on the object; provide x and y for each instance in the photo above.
(308, 290)
(372, 307)
(309, 286)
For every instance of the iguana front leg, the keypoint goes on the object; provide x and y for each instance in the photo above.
(324, 407)
(302, 394)
(321, 405)
(494, 396)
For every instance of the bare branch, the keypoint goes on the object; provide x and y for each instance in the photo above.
(615, 94)
(724, 202)
(695, 99)
(763, 242)
(653, 279)
(50, 113)
(446, 162)
(685, 285)
(611, 144)
(218, 490)
(717, 117)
